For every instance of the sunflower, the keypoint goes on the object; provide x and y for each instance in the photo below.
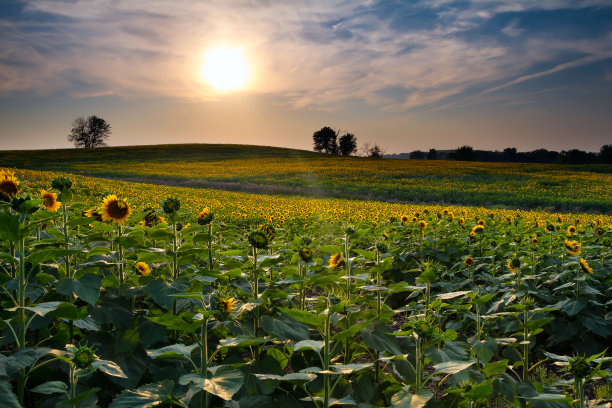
(258, 239)
(50, 202)
(115, 209)
(143, 268)
(481, 223)
(571, 230)
(477, 229)
(535, 241)
(514, 265)
(151, 219)
(404, 219)
(9, 185)
(93, 213)
(336, 261)
(573, 247)
(306, 254)
(205, 216)
(584, 266)
(227, 305)
(422, 224)
(469, 261)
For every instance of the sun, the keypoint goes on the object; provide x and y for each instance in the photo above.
(226, 68)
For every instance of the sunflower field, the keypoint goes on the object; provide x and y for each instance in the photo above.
(118, 294)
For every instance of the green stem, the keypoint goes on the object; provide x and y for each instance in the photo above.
(326, 358)
(66, 244)
(256, 294)
(210, 244)
(525, 347)
(120, 252)
(21, 315)
(73, 384)
(204, 360)
(348, 268)
(174, 254)
(378, 294)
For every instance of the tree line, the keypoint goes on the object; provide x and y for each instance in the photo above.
(328, 140)
(510, 155)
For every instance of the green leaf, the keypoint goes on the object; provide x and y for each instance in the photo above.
(349, 368)
(174, 351)
(310, 319)
(595, 325)
(484, 349)
(285, 327)
(51, 387)
(378, 338)
(330, 249)
(69, 311)
(452, 295)
(9, 400)
(225, 382)
(315, 345)
(40, 309)
(495, 368)
(146, 396)
(184, 322)
(241, 341)
(86, 288)
(109, 368)
(452, 367)
(293, 378)
(126, 340)
(406, 399)
(160, 291)
(9, 227)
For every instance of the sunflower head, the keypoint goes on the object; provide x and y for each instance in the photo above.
(115, 209)
(142, 268)
(205, 216)
(9, 185)
(336, 261)
(409, 231)
(258, 239)
(481, 223)
(61, 183)
(535, 241)
(478, 229)
(469, 261)
(382, 247)
(550, 228)
(269, 231)
(514, 265)
(461, 221)
(414, 219)
(579, 367)
(151, 219)
(306, 254)
(584, 266)
(472, 234)
(573, 247)
(422, 224)
(571, 230)
(83, 356)
(171, 205)
(599, 232)
(93, 213)
(306, 240)
(405, 219)
(50, 202)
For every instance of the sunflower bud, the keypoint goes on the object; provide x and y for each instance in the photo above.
(61, 183)
(382, 247)
(205, 216)
(579, 367)
(306, 254)
(83, 357)
(171, 205)
(258, 239)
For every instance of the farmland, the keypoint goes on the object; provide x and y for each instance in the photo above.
(128, 294)
(286, 171)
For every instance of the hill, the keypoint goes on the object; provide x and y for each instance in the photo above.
(298, 172)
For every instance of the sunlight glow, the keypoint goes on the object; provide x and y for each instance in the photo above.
(225, 68)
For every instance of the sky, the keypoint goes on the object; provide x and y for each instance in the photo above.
(406, 75)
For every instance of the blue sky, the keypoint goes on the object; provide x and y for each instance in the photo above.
(404, 74)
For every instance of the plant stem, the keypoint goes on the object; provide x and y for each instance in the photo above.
(256, 294)
(525, 347)
(21, 315)
(210, 244)
(204, 359)
(66, 244)
(120, 253)
(326, 358)
(378, 294)
(174, 255)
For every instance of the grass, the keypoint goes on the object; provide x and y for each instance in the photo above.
(289, 171)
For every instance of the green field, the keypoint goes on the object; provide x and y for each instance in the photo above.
(286, 171)
(129, 294)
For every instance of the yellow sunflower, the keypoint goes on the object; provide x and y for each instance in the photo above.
(93, 213)
(336, 261)
(115, 209)
(404, 219)
(469, 261)
(143, 268)
(584, 266)
(50, 202)
(422, 224)
(514, 265)
(9, 185)
(571, 230)
(573, 247)
(227, 305)
(477, 229)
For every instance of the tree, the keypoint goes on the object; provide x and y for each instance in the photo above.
(347, 144)
(90, 132)
(325, 140)
(417, 155)
(465, 153)
(605, 154)
(509, 154)
(432, 154)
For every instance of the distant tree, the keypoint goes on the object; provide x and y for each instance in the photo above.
(347, 144)
(605, 154)
(90, 132)
(575, 156)
(417, 155)
(432, 154)
(325, 140)
(509, 154)
(465, 153)
(376, 151)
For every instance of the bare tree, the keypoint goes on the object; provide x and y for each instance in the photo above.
(90, 132)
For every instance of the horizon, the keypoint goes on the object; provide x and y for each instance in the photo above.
(406, 76)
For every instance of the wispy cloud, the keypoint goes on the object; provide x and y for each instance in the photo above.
(310, 54)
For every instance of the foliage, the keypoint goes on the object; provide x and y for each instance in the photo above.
(217, 322)
(325, 140)
(347, 145)
(90, 132)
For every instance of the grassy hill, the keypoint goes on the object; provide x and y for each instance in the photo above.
(290, 171)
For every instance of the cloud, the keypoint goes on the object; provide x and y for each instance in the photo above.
(311, 55)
